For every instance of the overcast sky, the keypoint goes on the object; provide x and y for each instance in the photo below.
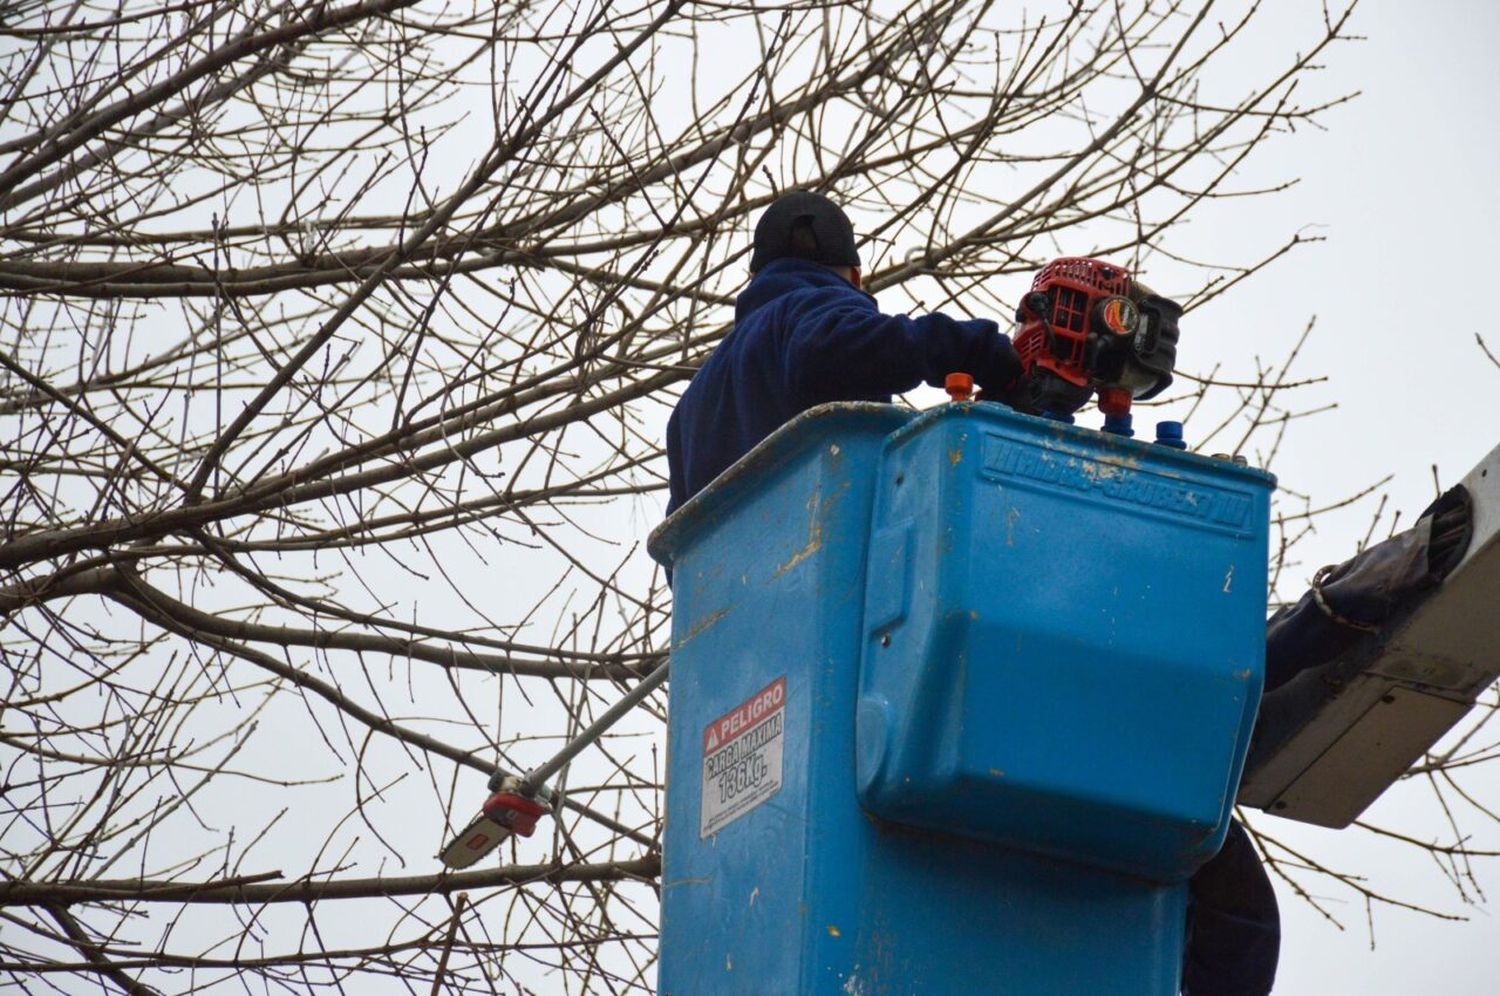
(1402, 186)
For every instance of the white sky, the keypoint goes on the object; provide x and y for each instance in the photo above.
(1403, 187)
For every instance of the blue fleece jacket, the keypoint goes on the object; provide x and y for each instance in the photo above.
(803, 336)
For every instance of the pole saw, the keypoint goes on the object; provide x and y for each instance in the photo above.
(517, 803)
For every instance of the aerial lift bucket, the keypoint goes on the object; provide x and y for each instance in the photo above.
(959, 700)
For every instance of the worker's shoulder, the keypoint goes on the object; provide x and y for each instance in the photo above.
(803, 308)
(817, 303)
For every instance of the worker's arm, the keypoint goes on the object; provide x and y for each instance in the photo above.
(839, 346)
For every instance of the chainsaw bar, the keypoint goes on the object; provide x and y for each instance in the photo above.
(504, 813)
(473, 842)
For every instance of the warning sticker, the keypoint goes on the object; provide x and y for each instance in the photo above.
(742, 758)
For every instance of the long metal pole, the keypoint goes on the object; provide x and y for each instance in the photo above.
(533, 783)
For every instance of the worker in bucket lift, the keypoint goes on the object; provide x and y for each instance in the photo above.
(805, 334)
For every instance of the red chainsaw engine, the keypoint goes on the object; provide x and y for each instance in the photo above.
(1087, 326)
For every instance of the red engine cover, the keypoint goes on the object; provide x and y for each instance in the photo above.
(1073, 285)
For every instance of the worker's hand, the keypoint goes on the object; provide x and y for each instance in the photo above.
(1004, 369)
(1015, 394)
(1021, 393)
(1040, 390)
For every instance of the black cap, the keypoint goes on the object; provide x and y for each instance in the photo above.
(804, 225)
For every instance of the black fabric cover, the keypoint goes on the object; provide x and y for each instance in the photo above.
(1311, 655)
(1370, 589)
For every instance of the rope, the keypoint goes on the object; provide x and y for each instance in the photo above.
(1328, 610)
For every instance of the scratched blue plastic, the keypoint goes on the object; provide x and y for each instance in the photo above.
(1064, 639)
(807, 892)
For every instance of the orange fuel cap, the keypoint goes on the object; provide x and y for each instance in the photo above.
(960, 386)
